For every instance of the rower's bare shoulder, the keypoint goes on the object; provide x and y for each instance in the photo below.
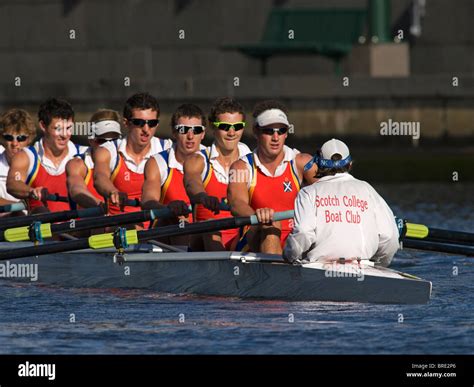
(194, 161)
(303, 158)
(101, 155)
(239, 165)
(20, 160)
(74, 165)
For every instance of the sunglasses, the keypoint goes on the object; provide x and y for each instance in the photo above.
(19, 138)
(270, 131)
(227, 125)
(184, 129)
(141, 123)
(101, 141)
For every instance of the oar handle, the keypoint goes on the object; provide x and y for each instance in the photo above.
(57, 198)
(163, 212)
(132, 202)
(20, 206)
(282, 215)
(14, 207)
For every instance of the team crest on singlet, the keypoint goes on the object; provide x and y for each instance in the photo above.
(287, 186)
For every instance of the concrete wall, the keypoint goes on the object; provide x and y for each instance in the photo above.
(139, 39)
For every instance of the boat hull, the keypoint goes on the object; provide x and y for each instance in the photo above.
(230, 274)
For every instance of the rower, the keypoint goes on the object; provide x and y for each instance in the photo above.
(17, 130)
(268, 179)
(41, 169)
(164, 171)
(340, 216)
(105, 127)
(206, 174)
(119, 165)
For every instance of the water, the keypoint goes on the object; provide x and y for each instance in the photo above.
(35, 319)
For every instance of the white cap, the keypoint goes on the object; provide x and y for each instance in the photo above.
(332, 147)
(272, 116)
(106, 126)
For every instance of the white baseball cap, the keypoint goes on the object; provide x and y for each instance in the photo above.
(106, 126)
(332, 147)
(329, 149)
(272, 116)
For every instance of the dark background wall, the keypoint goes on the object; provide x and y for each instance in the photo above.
(139, 39)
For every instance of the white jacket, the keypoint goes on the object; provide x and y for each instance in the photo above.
(340, 216)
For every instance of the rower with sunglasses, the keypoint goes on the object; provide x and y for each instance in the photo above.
(164, 171)
(206, 174)
(41, 169)
(119, 165)
(17, 130)
(80, 183)
(269, 180)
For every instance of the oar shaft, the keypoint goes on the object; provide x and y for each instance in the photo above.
(423, 232)
(57, 198)
(51, 217)
(20, 206)
(132, 202)
(14, 207)
(450, 236)
(111, 221)
(49, 248)
(438, 246)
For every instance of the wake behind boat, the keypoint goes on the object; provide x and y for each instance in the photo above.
(228, 274)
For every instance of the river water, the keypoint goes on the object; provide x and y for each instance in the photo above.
(37, 319)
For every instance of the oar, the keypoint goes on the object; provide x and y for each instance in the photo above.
(21, 206)
(420, 231)
(122, 238)
(441, 247)
(57, 198)
(14, 207)
(131, 202)
(51, 217)
(40, 231)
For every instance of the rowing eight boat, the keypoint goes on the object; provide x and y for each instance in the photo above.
(231, 274)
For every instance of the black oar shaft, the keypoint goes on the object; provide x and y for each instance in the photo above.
(102, 221)
(49, 248)
(450, 236)
(192, 228)
(438, 247)
(50, 217)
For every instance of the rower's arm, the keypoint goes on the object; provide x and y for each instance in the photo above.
(237, 191)
(151, 190)
(17, 175)
(306, 177)
(4, 202)
(76, 172)
(193, 167)
(102, 182)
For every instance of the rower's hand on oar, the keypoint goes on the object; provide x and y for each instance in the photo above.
(212, 203)
(265, 215)
(39, 193)
(178, 208)
(118, 198)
